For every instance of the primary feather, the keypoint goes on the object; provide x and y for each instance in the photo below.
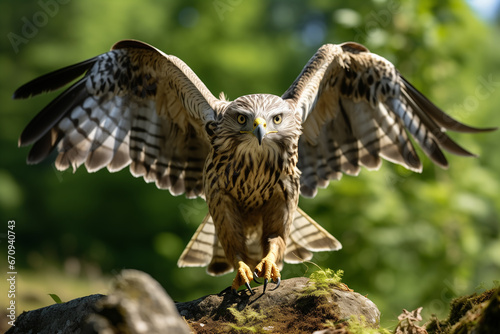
(357, 108)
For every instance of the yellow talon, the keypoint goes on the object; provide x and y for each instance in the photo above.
(243, 277)
(268, 269)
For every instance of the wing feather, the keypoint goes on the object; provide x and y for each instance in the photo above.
(356, 108)
(439, 116)
(134, 106)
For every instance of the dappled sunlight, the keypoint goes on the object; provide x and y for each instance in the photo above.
(409, 239)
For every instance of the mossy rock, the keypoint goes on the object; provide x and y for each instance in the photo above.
(479, 314)
(300, 305)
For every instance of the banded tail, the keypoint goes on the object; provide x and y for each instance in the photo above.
(306, 236)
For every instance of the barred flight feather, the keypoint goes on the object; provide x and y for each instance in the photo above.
(249, 158)
(114, 117)
(360, 109)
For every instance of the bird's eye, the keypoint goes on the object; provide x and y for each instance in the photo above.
(277, 119)
(242, 119)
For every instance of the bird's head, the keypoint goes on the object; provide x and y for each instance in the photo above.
(261, 121)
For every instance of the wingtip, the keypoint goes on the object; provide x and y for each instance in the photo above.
(22, 93)
(308, 191)
(15, 96)
(444, 166)
(24, 141)
(53, 80)
(495, 128)
(471, 129)
(419, 169)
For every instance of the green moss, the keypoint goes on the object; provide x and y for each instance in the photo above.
(243, 329)
(467, 313)
(317, 294)
(245, 318)
(490, 317)
(322, 281)
(355, 325)
(358, 325)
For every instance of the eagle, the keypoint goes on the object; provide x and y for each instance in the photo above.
(250, 158)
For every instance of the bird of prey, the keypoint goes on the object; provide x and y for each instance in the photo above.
(250, 158)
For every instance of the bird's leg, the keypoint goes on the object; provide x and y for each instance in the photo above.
(231, 234)
(267, 268)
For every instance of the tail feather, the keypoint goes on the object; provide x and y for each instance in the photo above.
(199, 251)
(205, 249)
(306, 236)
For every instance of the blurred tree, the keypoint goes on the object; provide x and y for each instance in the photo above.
(409, 240)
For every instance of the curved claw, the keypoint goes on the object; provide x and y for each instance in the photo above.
(268, 269)
(249, 288)
(277, 284)
(255, 278)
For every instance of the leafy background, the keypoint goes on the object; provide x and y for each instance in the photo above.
(409, 240)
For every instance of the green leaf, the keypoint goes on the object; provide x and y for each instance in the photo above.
(55, 298)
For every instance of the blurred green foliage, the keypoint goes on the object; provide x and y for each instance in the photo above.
(408, 239)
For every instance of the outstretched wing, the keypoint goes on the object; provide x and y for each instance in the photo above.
(356, 108)
(134, 106)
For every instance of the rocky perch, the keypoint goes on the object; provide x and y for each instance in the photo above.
(319, 304)
(138, 304)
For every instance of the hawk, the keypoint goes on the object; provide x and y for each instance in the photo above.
(250, 158)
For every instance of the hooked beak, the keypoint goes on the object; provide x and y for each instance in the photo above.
(259, 129)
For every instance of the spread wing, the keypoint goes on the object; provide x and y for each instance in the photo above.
(134, 106)
(356, 109)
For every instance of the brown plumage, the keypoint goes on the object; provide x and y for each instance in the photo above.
(249, 158)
